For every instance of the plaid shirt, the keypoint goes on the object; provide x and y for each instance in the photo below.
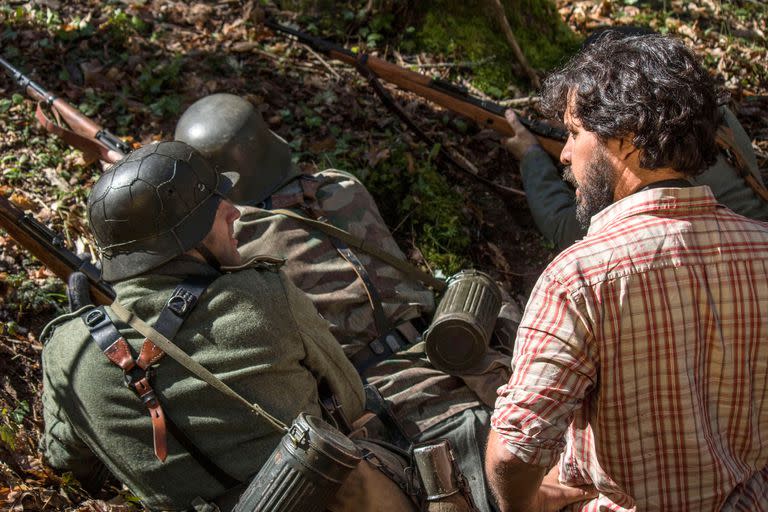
(642, 359)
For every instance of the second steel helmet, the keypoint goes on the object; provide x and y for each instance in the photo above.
(232, 135)
(153, 205)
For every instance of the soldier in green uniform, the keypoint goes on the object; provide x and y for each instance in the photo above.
(113, 403)
(368, 303)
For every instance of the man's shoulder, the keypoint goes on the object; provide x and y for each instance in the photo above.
(644, 242)
(67, 348)
(258, 287)
(68, 325)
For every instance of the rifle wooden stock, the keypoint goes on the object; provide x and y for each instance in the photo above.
(485, 113)
(80, 131)
(48, 247)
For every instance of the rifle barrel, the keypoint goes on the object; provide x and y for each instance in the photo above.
(47, 246)
(73, 117)
(38, 91)
(484, 112)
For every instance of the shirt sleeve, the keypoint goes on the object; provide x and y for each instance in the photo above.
(554, 367)
(551, 201)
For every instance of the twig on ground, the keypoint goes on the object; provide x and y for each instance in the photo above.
(467, 64)
(504, 22)
(517, 102)
(323, 62)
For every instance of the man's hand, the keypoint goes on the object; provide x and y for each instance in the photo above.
(552, 495)
(522, 141)
(518, 486)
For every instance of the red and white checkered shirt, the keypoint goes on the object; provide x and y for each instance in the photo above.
(642, 359)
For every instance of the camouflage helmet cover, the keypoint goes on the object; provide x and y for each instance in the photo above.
(158, 202)
(233, 136)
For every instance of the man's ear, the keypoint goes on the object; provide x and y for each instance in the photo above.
(627, 148)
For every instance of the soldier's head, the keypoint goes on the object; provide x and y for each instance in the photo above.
(159, 202)
(642, 103)
(232, 135)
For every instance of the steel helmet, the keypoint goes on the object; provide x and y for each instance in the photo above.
(153, 205)
(232, 135)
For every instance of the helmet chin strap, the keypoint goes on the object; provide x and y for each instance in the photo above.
(208, 256)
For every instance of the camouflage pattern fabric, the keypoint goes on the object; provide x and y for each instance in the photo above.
(421, 396)
(315, 266)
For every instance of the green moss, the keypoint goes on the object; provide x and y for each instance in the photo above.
(413, 196)
(462, 31)
(427, 207)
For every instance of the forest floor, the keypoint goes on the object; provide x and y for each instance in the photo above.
(134, 66)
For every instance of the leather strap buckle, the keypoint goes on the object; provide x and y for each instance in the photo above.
(94, 317)
(181, 302)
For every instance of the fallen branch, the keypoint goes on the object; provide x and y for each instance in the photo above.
(518, 53)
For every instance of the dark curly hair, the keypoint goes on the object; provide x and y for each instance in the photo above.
(650, 87)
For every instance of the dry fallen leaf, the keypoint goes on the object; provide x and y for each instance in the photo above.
(21, 201)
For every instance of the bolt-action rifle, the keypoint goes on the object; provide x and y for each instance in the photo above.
(48, 247)
(96, 142)
(446, 94)
(71, 125)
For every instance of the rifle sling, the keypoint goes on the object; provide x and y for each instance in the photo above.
(358, 243)
(391, 104)
(90, 148)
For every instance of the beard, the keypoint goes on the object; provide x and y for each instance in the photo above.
(596, 193)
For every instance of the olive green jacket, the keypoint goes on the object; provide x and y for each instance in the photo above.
(252, 328)
(552, 200)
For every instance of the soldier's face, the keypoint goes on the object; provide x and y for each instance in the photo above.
(221, 240)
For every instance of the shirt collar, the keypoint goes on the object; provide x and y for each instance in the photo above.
(657, 200)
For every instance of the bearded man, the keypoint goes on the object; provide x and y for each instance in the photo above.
(639, 370)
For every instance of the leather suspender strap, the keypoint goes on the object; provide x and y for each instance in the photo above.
(136, 377)
(358, 243)
(176, 310)
(191, 365)
(138, 373)
(379, 317)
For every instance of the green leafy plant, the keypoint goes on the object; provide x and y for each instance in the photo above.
(11, 422)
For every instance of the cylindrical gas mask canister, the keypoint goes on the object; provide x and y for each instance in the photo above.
(304, 472)
(463, 323)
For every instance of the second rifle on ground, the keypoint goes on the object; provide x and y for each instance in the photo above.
(70, 124)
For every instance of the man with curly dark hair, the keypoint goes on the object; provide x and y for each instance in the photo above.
(639, 372)
(552, 201)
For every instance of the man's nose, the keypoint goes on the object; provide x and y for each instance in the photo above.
(234, 212)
